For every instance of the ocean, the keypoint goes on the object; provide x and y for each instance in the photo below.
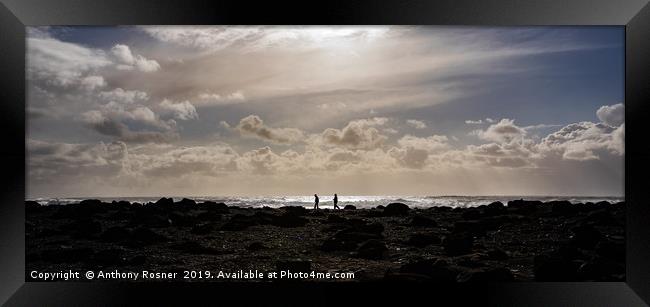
(357, 201)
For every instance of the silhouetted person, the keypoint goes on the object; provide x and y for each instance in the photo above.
(315, 201)
(336, 201)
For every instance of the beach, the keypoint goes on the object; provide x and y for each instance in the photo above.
(515, 240)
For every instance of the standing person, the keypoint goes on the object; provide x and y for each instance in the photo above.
(315, 201)
(336, 201)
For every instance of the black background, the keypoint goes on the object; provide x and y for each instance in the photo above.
(15, 14)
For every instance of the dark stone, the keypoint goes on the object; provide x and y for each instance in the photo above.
(396, 209)
(472, 214)
(421, 221)
(294, 266)
(562, 208)
(90, 202)
(289, 220)
(295, 210)
(202, 229)
(32, 206)
(83, 228)
(67, 255)
(524, 206)
(601, 269)
(164, 202)
(214, 207)
(380, 207)
(372, 249)
(437, 270)
(182, 219)
(109, 257)
(586, 236)
(348, 238)
(485, 275)
(476, 227)
(336, 219)
(115, 234)
(146, 236)
(495, 208)
(423, 239)
(458, 243)
(497, 254)
(186, 202)
(611, 249)
(196, 248)
(209, 216)
(256, 246)
(349, 207)
(239, 222)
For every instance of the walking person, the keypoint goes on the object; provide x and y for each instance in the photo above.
(315, 201)
(336, 201)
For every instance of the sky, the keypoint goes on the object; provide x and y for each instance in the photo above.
(298, 110)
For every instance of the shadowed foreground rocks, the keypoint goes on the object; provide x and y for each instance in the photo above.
(518, 241)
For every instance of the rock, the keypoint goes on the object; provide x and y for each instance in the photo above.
(336, 219)
(256, 246)
(32, 206)
(601, 269)
(348, 238)
(295, 210)
(601, 217)
(380, 207)
(289, 220)
(83, 228)
(349, 207)
(115, 234)
(196, 248)
(458, 243)
(396, 209)
(485, 275)
(239, 222)
(475, 227)
(210, 215)
(611, 249)
(436, 270)
(90, 202)
(372, 249)
(109, 257)
(586, 236)
(472, 214)
(186, 202)
(494, 208)
(164, 202)
(201, 229)
(143, 235)
(558, 265)
(67, 255)
(294, 266)
(179, 219)
(497, 254)
(562, 208)
(423, 239)
(214, 207)
(523, 206)
(421, 221)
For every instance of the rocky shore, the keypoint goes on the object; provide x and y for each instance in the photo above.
(518, 241)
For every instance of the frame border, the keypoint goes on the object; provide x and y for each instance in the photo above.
(16, 14)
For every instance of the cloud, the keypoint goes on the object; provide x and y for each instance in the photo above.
(612, 115)
(219, 99)
(474, 122)
(253, 39)
(585, 141)
(182, 110)
(504, 131)
(357, 134)
(124, 96)
(417, 124)
(128, 61)
(93, 82)
(254, 126)
(110, 122)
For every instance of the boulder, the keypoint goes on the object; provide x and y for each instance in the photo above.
(202, 229)
(186, 202)
(472, 214)
(458, 243)
(494, 208)
(423, 239)
(295, 210)
(289, 220)
(164, 202)
(239, 222)
(372, 249)
(562, 208)
(422, 221)
(32, 206)
(83, 228)
(396, 209)
(336, 219)
(349, 207)
(523, 206)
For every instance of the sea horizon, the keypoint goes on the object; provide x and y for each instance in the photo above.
(359, 201)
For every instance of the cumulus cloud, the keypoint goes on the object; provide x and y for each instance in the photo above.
(93, 82)
(612, 115)
(254, 126)
(417, 124)
(104, 125)
(584, 141)
(181, 110)
(503, 132)
(128, 61)
(357, 134)
(474, 122)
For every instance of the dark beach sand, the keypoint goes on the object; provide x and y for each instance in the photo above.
(520, 240)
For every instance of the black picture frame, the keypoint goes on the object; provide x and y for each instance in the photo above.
(16, 14)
